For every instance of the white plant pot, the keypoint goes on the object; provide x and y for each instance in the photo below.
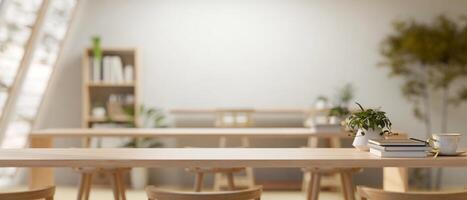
(361, 140)
(139, 177)
(335, 120)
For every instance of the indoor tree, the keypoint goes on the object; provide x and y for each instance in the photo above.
(431, 58)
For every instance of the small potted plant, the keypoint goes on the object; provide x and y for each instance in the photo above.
(366, 125)
(340, 110)
(337, 114)
(152, 118)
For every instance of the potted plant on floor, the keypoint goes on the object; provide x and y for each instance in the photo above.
(152, 117)
(366, 125)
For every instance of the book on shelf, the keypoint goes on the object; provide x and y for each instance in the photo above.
(398, 154)
(111, 69)
(396, 142)
(399, 148)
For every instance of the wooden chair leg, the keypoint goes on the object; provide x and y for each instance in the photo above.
(305, 182)
(249, 177)
(199, 179)
(230, 181)
(82, 184)
(121, 184)
(349, 192)
(87, 186)
(115, 186)
(344, 185)
(314, 186)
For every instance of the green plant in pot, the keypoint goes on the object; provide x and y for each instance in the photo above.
(340, 109)
(367, 124)
(337, 114)
(152, 118)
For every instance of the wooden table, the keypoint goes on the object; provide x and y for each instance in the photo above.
(395, 179)
(210, 157)
(182, 132)
(44, 138)
(182, 111)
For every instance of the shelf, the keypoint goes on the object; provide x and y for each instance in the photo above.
(106, 119)
(98, 84)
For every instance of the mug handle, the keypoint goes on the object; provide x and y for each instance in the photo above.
(430, 141)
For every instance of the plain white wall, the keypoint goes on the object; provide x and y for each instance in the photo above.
(257, 53)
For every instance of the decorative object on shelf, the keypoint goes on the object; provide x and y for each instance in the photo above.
(120, 107)
(430, 70)
(367, 124)
(96, 59)
(152, 117)
(128, 73)
(98, 112)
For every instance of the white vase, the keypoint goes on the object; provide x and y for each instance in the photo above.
(335, 120)
(361, 140)
(139, 177)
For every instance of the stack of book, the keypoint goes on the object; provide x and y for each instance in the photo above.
(111, 70)
(398, 148)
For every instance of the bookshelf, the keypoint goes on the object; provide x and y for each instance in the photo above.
(111, 97)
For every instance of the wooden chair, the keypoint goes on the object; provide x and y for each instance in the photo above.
(87, 174)
(224, 177)
(327, 180)
(43, 193)
(200, 172)
(248, 194)
(234, 118)
(117, 181)
(378, 194)
(314, 185)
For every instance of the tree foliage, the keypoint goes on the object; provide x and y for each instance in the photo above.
(430, 57)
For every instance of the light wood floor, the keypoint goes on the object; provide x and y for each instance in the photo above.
(67, 193)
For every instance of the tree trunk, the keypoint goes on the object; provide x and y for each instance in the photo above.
(427, 106)
(444, 114)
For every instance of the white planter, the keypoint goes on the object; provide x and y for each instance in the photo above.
(361, 141)
(139, 177)
(335, 120)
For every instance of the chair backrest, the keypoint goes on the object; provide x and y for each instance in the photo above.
(378, 194)
(43, 193)
(234, 118)
(249, 194)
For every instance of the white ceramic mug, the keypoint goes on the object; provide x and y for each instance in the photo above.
(446, 143)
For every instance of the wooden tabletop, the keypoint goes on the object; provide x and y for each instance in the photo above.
(256, 110)
(214, 157)
(184, 132)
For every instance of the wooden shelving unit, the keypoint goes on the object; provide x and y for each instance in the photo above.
(96, 93)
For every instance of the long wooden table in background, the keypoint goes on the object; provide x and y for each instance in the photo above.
(182, 132)
(394, 178)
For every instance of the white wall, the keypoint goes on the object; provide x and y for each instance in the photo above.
(258, 53)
